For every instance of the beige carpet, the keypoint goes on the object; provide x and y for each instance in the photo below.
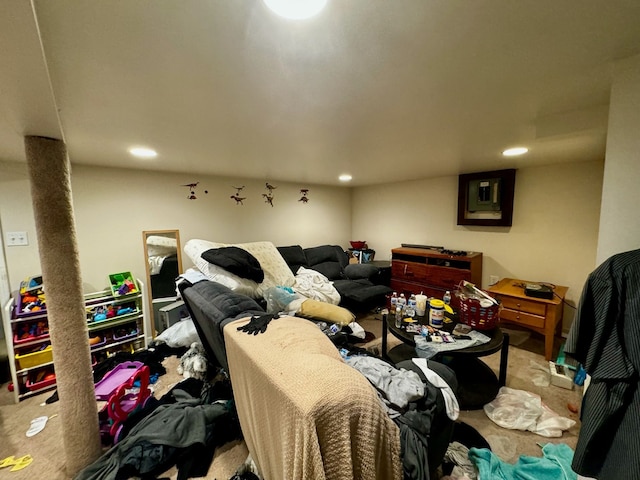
(47, 450)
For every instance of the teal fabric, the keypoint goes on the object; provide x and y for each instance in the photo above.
(555, 464)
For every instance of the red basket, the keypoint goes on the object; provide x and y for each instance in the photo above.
(476, 316)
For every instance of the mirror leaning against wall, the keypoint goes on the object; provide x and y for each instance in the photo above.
(163, 262)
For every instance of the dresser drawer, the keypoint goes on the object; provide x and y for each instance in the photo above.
(416, 288)
(522, 318)
(522, 305)
(409, 272)
(445, 278)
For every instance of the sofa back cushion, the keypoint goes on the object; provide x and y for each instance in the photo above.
(294, 256)
(331, 270)
(329, 260)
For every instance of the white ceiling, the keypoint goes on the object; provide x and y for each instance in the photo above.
(386, 90)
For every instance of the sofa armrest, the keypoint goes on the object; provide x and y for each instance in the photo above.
(303, 411)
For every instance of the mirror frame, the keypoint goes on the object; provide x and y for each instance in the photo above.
(145, 235)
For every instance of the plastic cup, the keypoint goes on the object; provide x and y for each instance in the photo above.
(421, 305)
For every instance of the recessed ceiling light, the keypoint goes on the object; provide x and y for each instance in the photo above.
(345, 177)
(296, 9)
(514, 152)
(143, 152)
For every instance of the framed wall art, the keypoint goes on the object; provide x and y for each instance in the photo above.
(486, 198)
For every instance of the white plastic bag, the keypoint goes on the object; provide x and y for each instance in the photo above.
(522, 410)
(278, 298)
(180, 334)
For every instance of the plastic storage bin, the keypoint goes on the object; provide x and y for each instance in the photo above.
(34, 384)
(33, 359)
(122, 284)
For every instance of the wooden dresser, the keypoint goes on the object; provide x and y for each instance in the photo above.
(416, 270)
(538, 314)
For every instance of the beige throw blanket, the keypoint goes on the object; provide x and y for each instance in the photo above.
(304, 413)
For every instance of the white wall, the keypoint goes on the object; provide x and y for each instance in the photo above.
(16, 215)
(619, 218)
(113, 206)
(553, 237)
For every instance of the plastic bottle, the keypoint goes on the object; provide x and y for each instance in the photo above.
(447, 297)
(402, 301)
(398, 316)
(412, 301)
(411, 306)
(410, 311)
(394, 301)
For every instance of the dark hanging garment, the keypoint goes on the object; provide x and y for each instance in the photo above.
(605, 338)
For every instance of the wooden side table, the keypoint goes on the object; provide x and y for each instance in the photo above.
(538, 314)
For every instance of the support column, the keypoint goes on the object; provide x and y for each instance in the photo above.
(49, 173)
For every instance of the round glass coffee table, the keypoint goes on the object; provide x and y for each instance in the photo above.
(477, 382)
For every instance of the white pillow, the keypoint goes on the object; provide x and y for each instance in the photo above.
(162, 246)
(276, 271)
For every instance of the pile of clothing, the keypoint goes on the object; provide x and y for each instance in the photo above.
(181, 429)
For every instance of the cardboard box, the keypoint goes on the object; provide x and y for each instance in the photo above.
(561, 376)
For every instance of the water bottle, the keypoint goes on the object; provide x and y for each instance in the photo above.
(411, 306)
(410, 311)
(394, 301)
(412, 301)
(398, 316)
(447, 297)
(402, 301)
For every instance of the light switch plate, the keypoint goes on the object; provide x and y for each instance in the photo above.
(15, 239)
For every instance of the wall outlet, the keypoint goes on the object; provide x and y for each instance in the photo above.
(15, 239)
(493, 279)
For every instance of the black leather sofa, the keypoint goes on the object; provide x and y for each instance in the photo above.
(361, 286)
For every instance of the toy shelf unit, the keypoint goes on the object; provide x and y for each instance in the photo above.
(115, 322)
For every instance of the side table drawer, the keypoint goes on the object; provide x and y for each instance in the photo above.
(527, 306)
(522, 318)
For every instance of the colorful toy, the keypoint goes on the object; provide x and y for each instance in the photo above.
(32, 297)
(124, 310)
(30, 331)
(122, 283)
(128, 397)
(104, 312)
(126, 287)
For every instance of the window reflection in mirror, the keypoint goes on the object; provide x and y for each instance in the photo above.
(163, 263)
